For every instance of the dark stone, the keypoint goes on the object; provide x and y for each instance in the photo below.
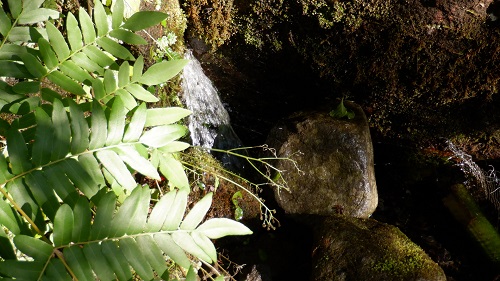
(335, 158)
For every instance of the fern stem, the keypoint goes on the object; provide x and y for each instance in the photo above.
(61, 258)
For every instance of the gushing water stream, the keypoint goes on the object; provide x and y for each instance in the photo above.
(209, 122)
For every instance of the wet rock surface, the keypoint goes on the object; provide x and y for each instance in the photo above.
(335, 158)
(365, 249)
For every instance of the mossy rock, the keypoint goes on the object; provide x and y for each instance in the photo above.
(365, 249)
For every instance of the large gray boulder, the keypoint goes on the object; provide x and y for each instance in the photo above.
(336, 163)
(364, 249)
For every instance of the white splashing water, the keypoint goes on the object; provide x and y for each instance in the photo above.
(485, 184)
(209, 122)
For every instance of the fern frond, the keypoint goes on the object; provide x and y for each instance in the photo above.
(107, 246)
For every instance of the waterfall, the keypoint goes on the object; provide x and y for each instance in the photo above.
(483, 184)
(209, 122)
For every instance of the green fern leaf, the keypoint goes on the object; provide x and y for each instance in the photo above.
(187, 243)
(21, 270)
(79, 129)
(205, 244)
(98, 56)
(5, 23)
(157, 217)
(98, 261)
(63, 224)
(87, 63)
(56, 271)
(220, 227)
(162, 72)
(117, 11)
(162, 135)
(33, 65)
(79, 265)
(101, 226)
(135, 128)
(127, 37)
(62, 131)
(134, 160)
(131, 217)
(47, 54)
(144, 19)
(130, 249)
(129, 102)
(8, 218)
(14, 70)
(197, 213)
(42, 193)
(60, 183)
(72, 70)
(100, 18)
(175, 146)
(66, 83)
(44, 137)
(166, 243)
(109, 82)
(115, 49)
(74, 34)
(165, 116)
(90, 164)
(116, 122)
(174, 217)
(37, 15)
(124, 74)
(173, 170)
(57, 42)
(18, 152)
(87, 26)
(141, 94)
(32, 5)
(99, 126)
(15, 7)
(117, 260)
(27, 87)
(82, 221)
(153, 255)
(79, 176)
(112, 162)
(138, 68)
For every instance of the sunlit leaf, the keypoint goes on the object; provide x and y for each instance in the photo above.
(38, 15)
(167, 245)
(187, 243)
(57, 42)
(197, 213)
(165, 116)
(100, 18)
(173, 170)
(162, 135)
(113, 163)
(87, 25)
(140, 93)
(162, 72)
(144, 19)
(114, 48)
(130, 249)
(127, 37)
(219, 227)
(136, 126)
(117, 13)
(48, 55)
